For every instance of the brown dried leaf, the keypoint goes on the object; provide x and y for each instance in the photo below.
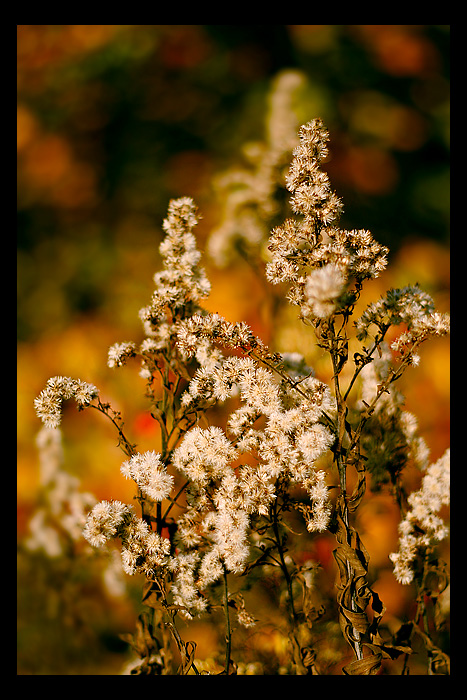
(355, 595)
(389, 651)
(368, 666)
(360, 488)
(190, 648)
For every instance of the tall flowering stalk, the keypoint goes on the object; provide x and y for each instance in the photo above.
(218, 504)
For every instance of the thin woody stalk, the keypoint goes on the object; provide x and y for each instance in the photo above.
(291, 612)
(105, 408)
(337, 363)
(228, 633)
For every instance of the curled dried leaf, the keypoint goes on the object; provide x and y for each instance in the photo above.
(189, 657)
(368, 666)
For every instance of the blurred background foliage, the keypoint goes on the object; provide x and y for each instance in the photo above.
(113, 121)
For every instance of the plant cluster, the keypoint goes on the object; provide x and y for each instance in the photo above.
(223, 508)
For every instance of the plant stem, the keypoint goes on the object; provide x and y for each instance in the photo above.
(341, 466)
(228, 635)
(290, 608)
(124, 443)
(291, 612)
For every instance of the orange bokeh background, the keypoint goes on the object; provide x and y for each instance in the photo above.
(113, 121)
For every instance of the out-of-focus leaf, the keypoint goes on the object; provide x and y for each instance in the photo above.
(436, 578)
(142, 641)
(440, 664)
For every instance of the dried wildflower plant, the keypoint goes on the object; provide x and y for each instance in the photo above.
(221, 507)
